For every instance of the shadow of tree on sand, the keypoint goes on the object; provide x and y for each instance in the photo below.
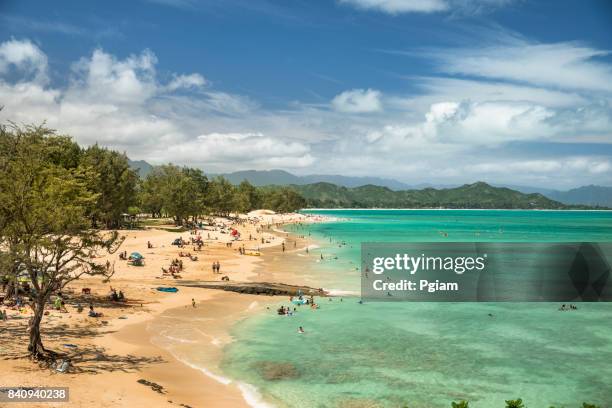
(93, 359)
(84, 358)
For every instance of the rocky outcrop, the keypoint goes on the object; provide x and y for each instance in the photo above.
(257, 288)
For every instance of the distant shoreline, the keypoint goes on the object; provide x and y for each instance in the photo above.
(454, 209)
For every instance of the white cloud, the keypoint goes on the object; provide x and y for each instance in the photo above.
(559, 65)
(24, 56)
(121, 103)
(243, 150)
(105, 78)
(427, 6)
(358, 101)
(186, 82)
(559, 166)
(399, 6)
(483, 90)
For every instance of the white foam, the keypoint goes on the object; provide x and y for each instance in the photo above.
(179, 339)
(213, 340)
(207, 372)
(252, 396)
(253, 305)
(341, 292)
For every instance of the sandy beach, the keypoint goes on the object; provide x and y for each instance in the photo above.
(114, 361)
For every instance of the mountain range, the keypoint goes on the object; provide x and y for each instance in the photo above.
(590, 195)
(477, 195)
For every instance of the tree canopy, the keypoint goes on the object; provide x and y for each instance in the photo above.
(47, 199)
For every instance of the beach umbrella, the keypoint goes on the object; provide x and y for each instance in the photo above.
(136, 255)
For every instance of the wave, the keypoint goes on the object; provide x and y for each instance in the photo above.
(173, 338)
(252, 396)
(342, 292)
(219, 378)
(250, 393)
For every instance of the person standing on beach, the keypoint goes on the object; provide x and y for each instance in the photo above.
(218, 267)
(214, 267)
(193, 303)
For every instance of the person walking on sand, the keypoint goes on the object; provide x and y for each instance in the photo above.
(193, 303)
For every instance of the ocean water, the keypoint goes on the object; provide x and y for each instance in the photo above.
(428, 354)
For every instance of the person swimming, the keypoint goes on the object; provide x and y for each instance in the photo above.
(301, 330)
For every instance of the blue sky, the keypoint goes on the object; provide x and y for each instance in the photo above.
(441, 91)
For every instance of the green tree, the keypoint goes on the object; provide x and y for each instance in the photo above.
(44, 223)
(517, 403)
(115, 182)
(221, 198)
(151, 195)
(283, 200)
(247, 197)
(179, 192)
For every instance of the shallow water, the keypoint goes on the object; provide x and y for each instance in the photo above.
(428, 354)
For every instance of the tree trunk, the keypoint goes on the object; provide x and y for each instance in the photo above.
(35, 346)
(10, 289)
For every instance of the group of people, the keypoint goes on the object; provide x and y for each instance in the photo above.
(188, 255)
(116, 296)
(176, 266)
(286, 311)
(565, 307)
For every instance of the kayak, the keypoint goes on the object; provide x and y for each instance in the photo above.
(166, 289)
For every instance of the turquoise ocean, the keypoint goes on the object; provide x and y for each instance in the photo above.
(428, 354)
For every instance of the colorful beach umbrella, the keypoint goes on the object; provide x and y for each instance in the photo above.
(136, 255)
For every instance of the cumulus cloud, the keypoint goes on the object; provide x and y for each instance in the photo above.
(23, 56)
(358, 101)
(121, 103)
(102, 77)
(254, 148)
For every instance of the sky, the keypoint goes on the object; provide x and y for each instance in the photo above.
(423, 91)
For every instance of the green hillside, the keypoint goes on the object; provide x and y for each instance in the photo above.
(476, 195)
